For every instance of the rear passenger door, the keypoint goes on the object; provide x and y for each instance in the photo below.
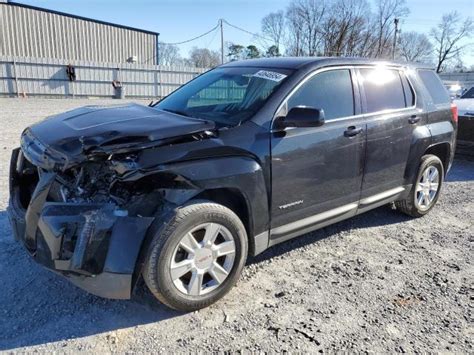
(388, 102)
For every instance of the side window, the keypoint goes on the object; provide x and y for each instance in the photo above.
(435, 87)
(383, 89)
(330, 90)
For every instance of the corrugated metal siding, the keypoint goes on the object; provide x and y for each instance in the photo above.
(27, 32)
(47, 77)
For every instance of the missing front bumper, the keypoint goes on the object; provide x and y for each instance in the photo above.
(95, 246)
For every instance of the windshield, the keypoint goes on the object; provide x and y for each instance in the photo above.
(225, 95)
(468, 94)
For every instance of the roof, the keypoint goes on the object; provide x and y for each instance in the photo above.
(12, 3)
(299, 62)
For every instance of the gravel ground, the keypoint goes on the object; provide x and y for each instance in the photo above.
(379, 282)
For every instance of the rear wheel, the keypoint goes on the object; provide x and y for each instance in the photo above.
(196, 257)
(425, 191)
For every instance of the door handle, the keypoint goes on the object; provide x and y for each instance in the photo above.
(352, 131)
(414, 119)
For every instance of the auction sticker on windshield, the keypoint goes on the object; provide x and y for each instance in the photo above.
(270, 75)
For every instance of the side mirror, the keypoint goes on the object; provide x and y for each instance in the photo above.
(304, 116)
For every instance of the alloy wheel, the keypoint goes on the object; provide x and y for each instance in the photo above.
(203, 259)
(427, 188)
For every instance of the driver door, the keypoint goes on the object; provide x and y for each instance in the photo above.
(317, 171)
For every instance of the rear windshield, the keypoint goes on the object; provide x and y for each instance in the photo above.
(469, 94)
(435, 87)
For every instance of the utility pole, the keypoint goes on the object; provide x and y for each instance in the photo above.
(395, 38)
(222, 40)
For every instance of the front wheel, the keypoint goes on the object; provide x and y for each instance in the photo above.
(425, 191)
(196, 256)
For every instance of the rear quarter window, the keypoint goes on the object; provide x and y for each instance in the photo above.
(435, 87)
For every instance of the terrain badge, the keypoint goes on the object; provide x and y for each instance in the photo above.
(291, 204)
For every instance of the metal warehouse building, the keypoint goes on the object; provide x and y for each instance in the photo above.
(29, 31)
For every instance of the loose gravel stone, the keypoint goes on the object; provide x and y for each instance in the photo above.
(380, 282)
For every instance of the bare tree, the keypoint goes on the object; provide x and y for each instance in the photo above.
(311, 13)
(448, 36)
(386, 12)
(169, 54)
(305, 21)
(457, 65)
(294, 42)
(204, 58)
(415, 47)
(273, 26)
(344, 27)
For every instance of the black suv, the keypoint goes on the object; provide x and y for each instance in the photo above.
(243, 157)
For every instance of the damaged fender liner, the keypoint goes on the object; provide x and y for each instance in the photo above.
(95, 246)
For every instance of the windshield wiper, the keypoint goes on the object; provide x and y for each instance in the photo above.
(178, 112)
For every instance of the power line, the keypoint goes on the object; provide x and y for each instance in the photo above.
(183, 42)
(194, 38)
(250, 33)
(219, 24)
(212, 39)
(222, 21)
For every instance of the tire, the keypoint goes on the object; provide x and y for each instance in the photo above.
(172, 246)
(411, 205)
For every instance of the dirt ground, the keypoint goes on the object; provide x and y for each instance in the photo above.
(380, 282)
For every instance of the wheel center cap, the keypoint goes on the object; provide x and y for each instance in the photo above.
(203, 258)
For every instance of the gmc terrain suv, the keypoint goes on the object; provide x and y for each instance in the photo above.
(241, 158)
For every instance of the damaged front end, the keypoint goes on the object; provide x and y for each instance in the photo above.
(81, 222)
(84, 189)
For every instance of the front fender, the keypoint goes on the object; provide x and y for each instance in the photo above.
(181, 182)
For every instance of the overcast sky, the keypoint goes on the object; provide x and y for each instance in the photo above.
(179, 20)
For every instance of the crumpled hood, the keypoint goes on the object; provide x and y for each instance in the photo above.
(98, 128)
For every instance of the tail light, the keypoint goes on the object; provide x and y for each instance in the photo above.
(454, 111)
